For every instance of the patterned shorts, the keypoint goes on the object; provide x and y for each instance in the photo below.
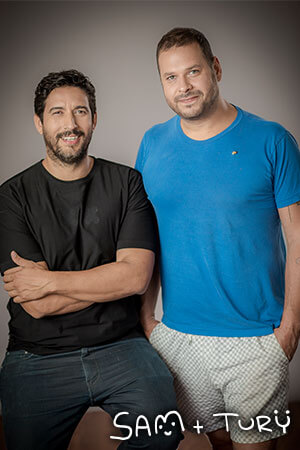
(245, 376)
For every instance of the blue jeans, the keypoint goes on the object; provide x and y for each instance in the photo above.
(44, 397)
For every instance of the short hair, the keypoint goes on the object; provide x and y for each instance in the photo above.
(178, 37)
(59, 79)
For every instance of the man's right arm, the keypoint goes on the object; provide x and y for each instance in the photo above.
(53, 305)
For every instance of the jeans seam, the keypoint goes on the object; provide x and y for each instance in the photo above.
(86, 382)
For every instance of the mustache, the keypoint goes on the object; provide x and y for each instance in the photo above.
(69, 133)
(188, 95)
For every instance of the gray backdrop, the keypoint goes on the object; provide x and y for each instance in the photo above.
(114, 44)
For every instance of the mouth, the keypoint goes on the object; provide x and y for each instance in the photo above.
(188, 100)
(168, 433)
(71, 140)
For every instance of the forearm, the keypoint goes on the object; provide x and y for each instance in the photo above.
(149, 300)
(53, 305)
(128, 276)
(291, 313)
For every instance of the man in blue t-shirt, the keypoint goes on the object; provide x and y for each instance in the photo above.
(222, 182)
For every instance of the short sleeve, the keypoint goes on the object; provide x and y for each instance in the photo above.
(141, 156)
(15, 233)
(138, 228)
(287, 172)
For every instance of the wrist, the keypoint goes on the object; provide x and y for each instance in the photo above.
(51, 283)
(290, 329)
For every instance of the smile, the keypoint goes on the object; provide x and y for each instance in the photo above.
(71, 140)
(188, 100)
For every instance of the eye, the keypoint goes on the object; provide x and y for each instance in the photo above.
(81, 112)
(56, 113)
(170, 78)
(194, 72)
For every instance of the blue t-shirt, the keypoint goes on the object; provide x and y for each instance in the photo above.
(222, 250)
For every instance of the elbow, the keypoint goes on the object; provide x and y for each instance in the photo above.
(33, 311)
(37, 314)
(141, 284)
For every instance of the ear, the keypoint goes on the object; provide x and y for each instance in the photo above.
(217, 68)
(38, 124)
(95, 121)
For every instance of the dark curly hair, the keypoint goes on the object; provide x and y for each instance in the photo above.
(59, 79)
(178, 37)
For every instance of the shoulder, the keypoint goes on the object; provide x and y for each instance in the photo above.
(263, 128)
(115, 170)
(162, 129)
(21, 178)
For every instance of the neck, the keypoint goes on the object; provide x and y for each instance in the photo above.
(216, 121)
(68, 172)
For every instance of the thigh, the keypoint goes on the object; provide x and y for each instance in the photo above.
(138, 388)
(256, 389)
(41, 400)
(186, 356)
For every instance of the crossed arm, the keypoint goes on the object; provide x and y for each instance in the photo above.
(42, 292)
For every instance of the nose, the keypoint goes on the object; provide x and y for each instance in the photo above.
(69, 121)
(184, 84)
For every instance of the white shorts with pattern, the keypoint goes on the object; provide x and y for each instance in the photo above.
(247, 376)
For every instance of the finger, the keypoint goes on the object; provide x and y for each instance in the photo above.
(13, 270)
(13, 293)
(9, 277)
(9, 286)
(17, 259)
(18, 299)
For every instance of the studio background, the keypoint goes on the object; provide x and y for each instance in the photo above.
(114, 44)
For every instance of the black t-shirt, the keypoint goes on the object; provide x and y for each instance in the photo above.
(74, 225)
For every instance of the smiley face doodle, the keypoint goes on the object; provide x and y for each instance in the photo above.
(142, 424)
(162, 421)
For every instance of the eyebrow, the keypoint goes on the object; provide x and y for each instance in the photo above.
(188, 68)
(62, 108)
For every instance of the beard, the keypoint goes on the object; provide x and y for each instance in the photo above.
(202, 108)
(71, 157)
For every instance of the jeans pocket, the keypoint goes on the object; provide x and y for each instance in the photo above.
(17, 356)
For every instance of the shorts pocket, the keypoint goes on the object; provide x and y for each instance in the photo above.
(280, 349)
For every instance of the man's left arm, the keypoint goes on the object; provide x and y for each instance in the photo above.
(288, 332)
(129, 275)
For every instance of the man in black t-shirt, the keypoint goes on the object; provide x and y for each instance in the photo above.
(77, 246)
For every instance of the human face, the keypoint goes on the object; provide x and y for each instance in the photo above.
(67, 125)
(190, 84)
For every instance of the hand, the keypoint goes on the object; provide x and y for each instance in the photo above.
(28, 281)
(149, 325)
(288, 340)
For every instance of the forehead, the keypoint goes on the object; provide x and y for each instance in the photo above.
(67, 95)
(176, 58)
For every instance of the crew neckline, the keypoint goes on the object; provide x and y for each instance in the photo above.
(78, 180)
(189, 140)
